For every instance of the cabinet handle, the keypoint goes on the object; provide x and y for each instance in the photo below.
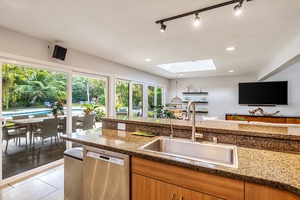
(172, 196)
(181, 198)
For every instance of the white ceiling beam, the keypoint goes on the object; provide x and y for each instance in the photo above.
(287, 57)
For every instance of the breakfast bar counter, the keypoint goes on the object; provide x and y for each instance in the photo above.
(271, 168)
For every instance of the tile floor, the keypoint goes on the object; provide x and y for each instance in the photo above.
(46, 185)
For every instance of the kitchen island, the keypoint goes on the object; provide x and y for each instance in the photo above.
(278, 170)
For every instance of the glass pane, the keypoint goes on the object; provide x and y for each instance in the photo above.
(159, 95)
(137, 99)
(30, 97)
(151, 103)
(88, 97)
(122, 97)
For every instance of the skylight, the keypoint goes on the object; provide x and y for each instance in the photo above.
(190, 66)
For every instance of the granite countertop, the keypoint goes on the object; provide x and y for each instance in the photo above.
(274, 169)
(261, 129)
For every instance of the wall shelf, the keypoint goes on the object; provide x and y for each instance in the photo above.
(194, 92)
(195, 101)
(198, 111)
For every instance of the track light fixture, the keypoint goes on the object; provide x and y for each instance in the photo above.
(162, 27)
(197, 20)
(237, 9)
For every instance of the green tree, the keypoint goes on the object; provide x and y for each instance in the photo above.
(45, 84)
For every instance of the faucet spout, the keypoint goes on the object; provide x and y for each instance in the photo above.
(192, 103)
(171, 136)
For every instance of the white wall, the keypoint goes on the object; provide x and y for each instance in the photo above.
(223, 93)
(23, 45)
(292, 75)
(27, 47)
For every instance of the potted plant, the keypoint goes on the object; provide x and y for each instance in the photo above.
(89, 107)
(57, 108)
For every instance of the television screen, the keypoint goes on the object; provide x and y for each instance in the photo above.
(264, 93)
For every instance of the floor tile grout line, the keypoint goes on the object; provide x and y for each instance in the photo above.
(48, 184)
(50, 193)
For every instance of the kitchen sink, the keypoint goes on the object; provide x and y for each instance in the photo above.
(220, 154)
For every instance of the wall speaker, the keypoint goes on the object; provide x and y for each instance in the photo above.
(59, 52)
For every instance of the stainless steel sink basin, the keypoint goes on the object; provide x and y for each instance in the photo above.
(220, 154)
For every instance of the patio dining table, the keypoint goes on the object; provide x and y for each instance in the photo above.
(30, 122)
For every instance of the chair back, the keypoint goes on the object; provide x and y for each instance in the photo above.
(20, 117)
(5, 134)
(74, 121)
(88, 121)
(40, 115)
(50, 127)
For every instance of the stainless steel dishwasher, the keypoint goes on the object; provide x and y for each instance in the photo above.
(105, 175)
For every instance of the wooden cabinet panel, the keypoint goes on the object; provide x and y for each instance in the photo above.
(261, 192)
(293, 120)
(210, 184)
(186, 194)
(289, 120)
(147, 188)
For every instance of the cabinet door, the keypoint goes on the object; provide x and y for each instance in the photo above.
(147, 188)
(261, 192)
(186, 194)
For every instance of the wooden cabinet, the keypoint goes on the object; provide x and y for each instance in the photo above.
(188, 183)
(261, 192)
(157, 181)
(148, 188)
(269, 119)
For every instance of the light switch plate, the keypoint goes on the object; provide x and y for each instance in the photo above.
(121, 126)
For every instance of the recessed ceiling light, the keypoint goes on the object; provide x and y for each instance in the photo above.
(230, 48)
(148, 59)
(231, 71)
(190, 66)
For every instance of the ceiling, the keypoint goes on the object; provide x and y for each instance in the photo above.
(124, 31)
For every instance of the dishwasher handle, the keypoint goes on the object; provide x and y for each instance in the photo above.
(105, 158)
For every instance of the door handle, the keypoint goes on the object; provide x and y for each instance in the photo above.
(172, 196)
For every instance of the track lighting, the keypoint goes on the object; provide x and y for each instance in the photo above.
(237, 10)
(197, 20)
(162, 27)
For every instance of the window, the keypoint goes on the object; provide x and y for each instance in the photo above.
(122, 97)
(28, 93)
(137, 99)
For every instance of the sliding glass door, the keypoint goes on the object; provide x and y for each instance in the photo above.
(122, 97)
(32, 98)
(137, 100)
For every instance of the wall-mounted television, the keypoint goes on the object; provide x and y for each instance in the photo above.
(263, 93)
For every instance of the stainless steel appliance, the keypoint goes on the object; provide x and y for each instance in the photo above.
(73, 167)
(106, 175)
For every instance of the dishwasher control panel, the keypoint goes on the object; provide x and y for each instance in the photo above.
(106, 158)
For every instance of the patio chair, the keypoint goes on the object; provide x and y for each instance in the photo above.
(20, 126)
(63, 125)
(48, 129)
(87, 122)
(13, 134)
(38, 125)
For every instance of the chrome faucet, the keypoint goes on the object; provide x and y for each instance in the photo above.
(191, 103)
(171, 136)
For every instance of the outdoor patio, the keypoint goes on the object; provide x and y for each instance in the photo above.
(18, 159)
